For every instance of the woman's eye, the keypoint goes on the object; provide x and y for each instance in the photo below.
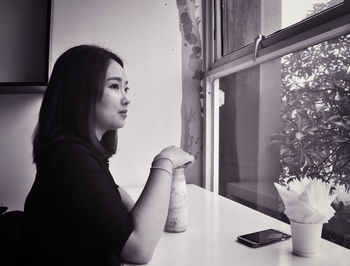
(127, 89)
(114, 86)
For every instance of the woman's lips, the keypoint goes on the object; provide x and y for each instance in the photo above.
(123, 113)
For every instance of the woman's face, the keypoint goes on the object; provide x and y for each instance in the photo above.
(111, 110)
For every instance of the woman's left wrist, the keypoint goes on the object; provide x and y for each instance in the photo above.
(164, 163)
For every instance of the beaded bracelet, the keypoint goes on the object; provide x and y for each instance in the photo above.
(161, 168)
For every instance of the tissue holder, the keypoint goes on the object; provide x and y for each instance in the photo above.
(307, 205)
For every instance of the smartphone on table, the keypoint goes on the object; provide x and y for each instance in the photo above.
(262, 238)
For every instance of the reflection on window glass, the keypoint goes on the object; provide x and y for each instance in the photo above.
(294, 11)
(243, 20)
(286, 119)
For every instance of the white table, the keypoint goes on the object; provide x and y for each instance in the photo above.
(214, 224)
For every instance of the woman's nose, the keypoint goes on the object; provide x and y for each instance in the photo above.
(125, 100)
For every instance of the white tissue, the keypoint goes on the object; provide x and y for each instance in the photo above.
(307, 201)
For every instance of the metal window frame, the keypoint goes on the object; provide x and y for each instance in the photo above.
(316, 29)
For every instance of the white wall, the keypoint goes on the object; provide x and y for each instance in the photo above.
(18, 115)
(145, 34)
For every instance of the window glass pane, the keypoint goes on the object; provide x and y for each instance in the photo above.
(294, 11)
(286, 119)
(243, 20)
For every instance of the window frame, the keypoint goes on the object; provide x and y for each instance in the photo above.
(318, 28)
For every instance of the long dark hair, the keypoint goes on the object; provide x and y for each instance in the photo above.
(69, 102)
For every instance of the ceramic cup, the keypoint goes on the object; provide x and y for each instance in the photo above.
(306, 238)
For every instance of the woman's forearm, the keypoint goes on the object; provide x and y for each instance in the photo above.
(149, 215)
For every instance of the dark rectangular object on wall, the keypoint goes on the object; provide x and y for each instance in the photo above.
(24, 45)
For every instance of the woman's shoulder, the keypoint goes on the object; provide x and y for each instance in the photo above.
(68, 148)
(72, 142)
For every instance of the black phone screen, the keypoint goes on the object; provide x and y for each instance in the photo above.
(264, 237)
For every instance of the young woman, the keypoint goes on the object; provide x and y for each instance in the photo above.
(75, 214)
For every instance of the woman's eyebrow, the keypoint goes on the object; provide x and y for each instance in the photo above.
(117, 79)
